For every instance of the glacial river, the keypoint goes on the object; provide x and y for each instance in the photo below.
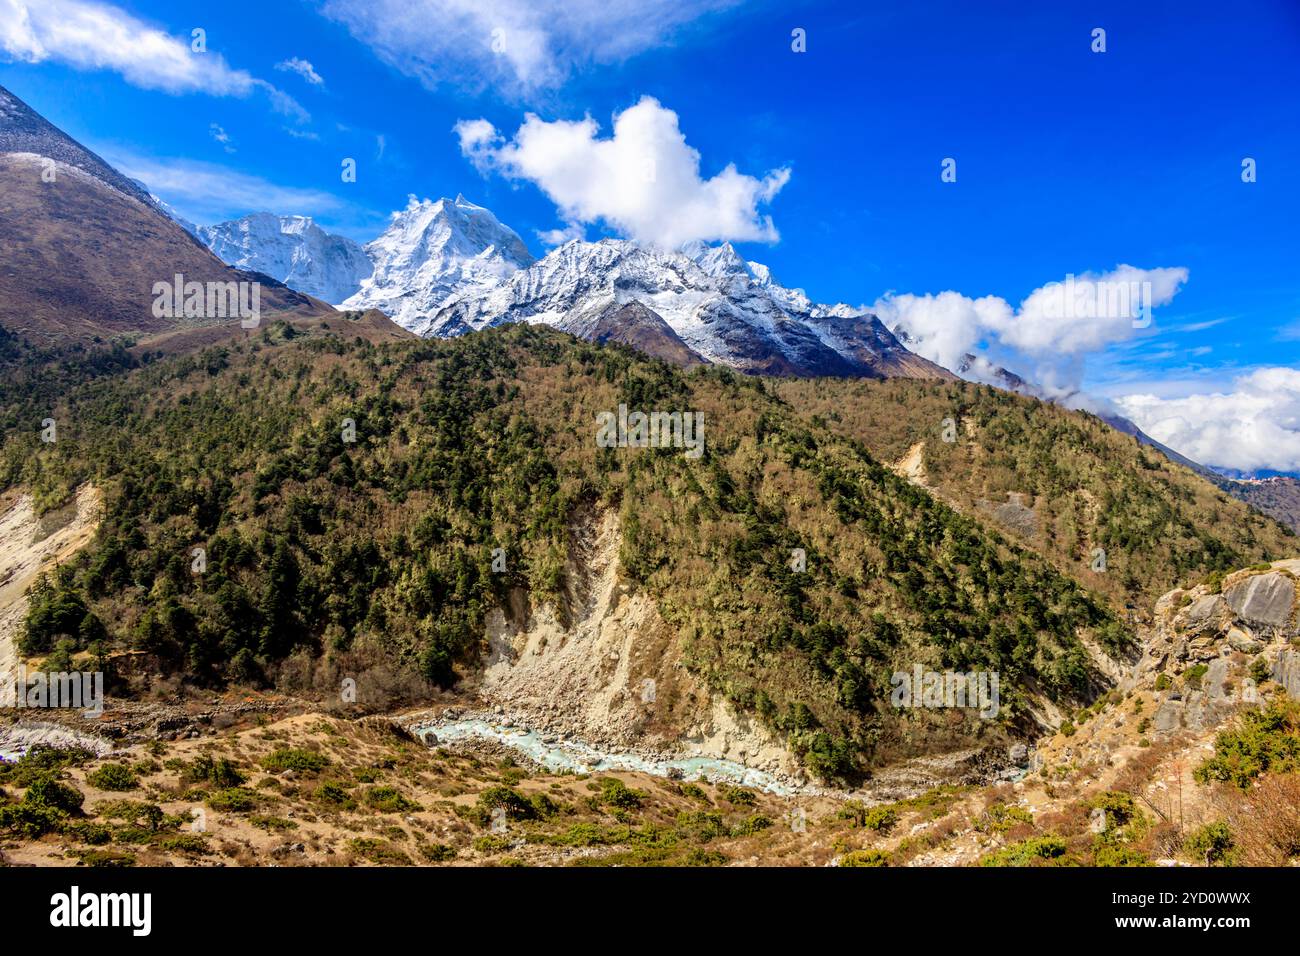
(578, 757)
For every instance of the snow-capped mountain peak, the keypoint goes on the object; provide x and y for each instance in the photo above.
(430, 252)
(292, 249)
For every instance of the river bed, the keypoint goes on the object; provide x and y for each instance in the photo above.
(558, 755)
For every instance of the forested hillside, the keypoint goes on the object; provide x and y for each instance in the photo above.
(322, 552)
(1080, 486)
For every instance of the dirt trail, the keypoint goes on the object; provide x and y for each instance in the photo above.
(31, 544)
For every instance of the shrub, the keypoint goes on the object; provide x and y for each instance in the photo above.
(148, 815)
(1118, 806)
(113, 776)
(1213, 844)
(1262, 741)
(46, 791)
(437, 852)
(739, 796)
(220, 773)
(615, 793)
(1117, 854)
(30, 820)
(1036, 851)
(378, 851)
(388, 799)
(1000, 818)
(865, 858)
(1163, 682)
(751, 825)
(1193, 675)
(333, 795)
(232, 800)
(290, 758)
(190, 843)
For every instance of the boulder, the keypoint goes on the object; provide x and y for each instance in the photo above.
(1240, 640)
(1263, 599)
(1215, 681)
(1202, 610)
(1286, 671)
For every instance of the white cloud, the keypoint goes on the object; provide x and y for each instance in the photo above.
(643, 181)
(1053, 329)
(99, 36)
(519, 44)
(221, 136)
(558, 237)
(1254, 426)
(207, 193)
(303, 68)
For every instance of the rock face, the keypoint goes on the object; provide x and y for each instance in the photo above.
(1263, 599)
(1286, 671)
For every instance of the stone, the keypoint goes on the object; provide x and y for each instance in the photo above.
(1202, 609)
(1263, 599)
(1215, 681)
(1240, 640)
(1286, 671)
(1169, 717)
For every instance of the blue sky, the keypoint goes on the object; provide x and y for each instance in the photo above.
(1068, 161)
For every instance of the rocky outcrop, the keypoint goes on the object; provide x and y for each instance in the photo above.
(1264, 600)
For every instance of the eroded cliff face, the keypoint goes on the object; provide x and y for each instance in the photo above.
(612, 676)
(31, 545)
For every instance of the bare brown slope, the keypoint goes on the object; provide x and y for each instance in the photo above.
(638, 326)
(80, 258)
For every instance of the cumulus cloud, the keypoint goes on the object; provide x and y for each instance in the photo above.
(303, 68)
(517, 45)
(1253, 426)
(643, 181)
(99, 36)
(1053, 329)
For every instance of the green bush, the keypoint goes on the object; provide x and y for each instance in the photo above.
(1035, 851)
(113, 776)
(333, 795)
(1265, 741)
(219, 772)
(233, 800)
(46, 791)
(388, 799)
(751, 825)
(1212, 844)
(865, 858)
(289, 758)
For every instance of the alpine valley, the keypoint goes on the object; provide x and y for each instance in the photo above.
(364, 585)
